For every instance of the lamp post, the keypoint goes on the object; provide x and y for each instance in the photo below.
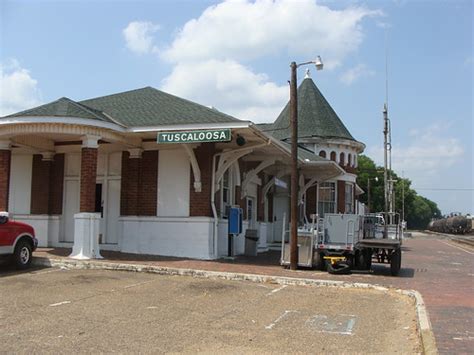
(376, 179)
(294, 159)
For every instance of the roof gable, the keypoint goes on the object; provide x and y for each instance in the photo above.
(316, 117)
(63, 107)
(151, 107)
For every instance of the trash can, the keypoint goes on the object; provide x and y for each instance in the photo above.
(251, 240)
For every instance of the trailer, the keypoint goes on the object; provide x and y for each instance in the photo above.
(340, 243)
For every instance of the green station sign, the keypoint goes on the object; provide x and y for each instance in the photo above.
(211, 135)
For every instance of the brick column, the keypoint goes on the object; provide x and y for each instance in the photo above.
(88, 173)
(131, 166)
(5, 163)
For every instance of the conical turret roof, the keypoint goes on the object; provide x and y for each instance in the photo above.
(316, 117)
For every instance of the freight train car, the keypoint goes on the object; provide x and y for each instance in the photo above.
(452, 225)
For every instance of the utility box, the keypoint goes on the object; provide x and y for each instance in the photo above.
(235, 220)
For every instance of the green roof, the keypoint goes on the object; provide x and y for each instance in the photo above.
(141, 107)
(316, 118)
(152, 107)
(64, 107)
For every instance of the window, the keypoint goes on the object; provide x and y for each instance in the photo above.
(342, 157)
(322, 153)
(349, 160)
(327, 198)
(349, 198)
(333, 156)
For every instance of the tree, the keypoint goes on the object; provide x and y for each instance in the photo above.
(418, 209)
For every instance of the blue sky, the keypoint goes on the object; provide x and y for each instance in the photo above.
(235, 56)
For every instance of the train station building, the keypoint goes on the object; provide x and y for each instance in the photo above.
(157, 173)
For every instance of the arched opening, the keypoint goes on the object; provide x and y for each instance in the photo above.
(349, 159)
(333, 156)
(322, 153)
(342, 158)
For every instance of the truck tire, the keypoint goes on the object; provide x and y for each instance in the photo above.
(318, 261)
(22, 255)
(395, 262)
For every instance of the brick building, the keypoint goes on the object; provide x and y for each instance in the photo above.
(148, 172)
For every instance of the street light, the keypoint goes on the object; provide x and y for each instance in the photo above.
(294, 159)
(376, 179)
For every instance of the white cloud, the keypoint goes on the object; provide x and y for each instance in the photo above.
(429, 152)
(209, 51)
(139, 37)
(355, 73)
(245, 30)
(230, 86)
(18, 90)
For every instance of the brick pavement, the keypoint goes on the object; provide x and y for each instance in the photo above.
(440, 270)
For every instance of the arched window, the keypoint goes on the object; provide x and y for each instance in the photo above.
(322, 153)
(349, 159)
(342, 157)
(333, 156)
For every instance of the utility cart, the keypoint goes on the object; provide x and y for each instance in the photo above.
(340, 243)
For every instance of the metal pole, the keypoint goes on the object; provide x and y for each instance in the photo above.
(368, 195)
(385, 179)
(403, 198)
(294, 169)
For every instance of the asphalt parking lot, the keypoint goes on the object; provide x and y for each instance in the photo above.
(54, 310)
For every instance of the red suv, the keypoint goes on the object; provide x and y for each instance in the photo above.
(17, 240)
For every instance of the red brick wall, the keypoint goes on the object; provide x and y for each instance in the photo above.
(5, 163)
(341, 199)
(40, 185)
(138, 191)
(148, 186)
(129, 185)
(56, 185)
(200, 202)
(310, 201)
(88, 179)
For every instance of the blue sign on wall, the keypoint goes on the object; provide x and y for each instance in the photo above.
(235, 220)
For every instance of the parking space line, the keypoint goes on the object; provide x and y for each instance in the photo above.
(276, 290)
(59, 303)
(283, 315)
(139, 284)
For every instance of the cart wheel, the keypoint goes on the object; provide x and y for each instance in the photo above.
(395, 262)
(318, 261)
(363, 260)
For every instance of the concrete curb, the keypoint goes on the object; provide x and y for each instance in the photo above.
(424, 325)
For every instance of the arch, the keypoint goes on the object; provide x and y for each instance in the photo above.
(322, 153)
(342, 158)
(333, 155)
(349, 159)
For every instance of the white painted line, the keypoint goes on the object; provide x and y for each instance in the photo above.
(457, 247)
(283, 315)
(59, 303)
(276, 290)
(139, 284)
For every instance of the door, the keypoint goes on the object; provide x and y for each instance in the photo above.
(99, 208)
(251, 212)
(280, 208)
